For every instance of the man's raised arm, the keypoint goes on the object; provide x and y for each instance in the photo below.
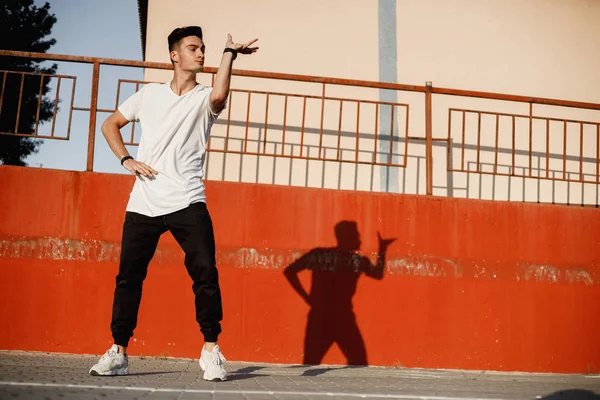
(218, 97)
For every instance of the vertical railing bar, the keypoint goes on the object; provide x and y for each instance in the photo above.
(20, 100)
(322, 120)
(303, 122)
(2, 92)
(580, 152)
(357, 129)
(55, 107)
(39, 105)
(93, 116)
(247, 123)
(266, 123)
(230, 105)
(564, 149)
(118, 94)
(428, 139)
(513, 145)
(530, 138)
(497, 138)
(598, 153)
(462, 159)
(448, 149)
(71, 109)
(478, 139)
(137, 88)
(406, 137)
(547, 148)
(391, 134)
(340, 130)
(376, 134)
(284, 123)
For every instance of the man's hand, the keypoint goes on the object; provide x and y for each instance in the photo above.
(218, 96)
(241, 48)
(139, 168)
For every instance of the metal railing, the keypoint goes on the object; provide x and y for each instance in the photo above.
(279, 144)
(547, 155)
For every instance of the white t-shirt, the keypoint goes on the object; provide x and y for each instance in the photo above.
(175, 132)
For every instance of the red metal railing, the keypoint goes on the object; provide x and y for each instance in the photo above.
(546, 155)
(273, 144)
(42, 78)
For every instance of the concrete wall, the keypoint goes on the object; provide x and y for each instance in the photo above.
(537, 47)
(467, 284)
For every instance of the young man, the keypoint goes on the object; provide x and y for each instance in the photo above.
(176, 118)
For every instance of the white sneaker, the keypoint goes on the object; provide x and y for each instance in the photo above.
(111, 363)
(212, 365)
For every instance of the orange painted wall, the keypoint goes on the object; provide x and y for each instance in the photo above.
(468, 284)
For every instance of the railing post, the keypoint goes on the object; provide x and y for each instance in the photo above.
(428, 140)
(93, 112)
(322, 120)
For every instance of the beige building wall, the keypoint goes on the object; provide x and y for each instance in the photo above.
(544, 48)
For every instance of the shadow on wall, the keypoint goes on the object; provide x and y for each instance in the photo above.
(335, 274)
(572, 394)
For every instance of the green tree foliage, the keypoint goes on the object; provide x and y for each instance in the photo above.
(24, 27)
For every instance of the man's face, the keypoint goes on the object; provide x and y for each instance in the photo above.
(189, 55)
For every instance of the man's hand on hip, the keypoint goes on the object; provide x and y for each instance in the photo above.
(139, 168)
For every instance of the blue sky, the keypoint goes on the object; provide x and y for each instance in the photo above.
(107, 28)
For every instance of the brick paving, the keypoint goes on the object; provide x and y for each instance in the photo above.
(25, 375)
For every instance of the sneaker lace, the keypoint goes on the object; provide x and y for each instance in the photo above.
(218, 358)
(108, 354)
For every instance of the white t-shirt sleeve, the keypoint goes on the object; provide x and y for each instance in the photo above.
(209, 112)
(131, 107)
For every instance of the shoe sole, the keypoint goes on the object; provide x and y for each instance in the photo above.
(215, 380)
(203, 368)
(118, 372)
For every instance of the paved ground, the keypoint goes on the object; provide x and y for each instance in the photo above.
(61, 376)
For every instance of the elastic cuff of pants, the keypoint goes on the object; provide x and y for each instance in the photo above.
(120, 341)
(211, 337)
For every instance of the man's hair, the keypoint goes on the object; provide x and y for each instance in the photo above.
(180, 33)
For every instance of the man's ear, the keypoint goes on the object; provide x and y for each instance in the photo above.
(174, 56)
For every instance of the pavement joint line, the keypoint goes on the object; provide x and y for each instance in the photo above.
(242, 392)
